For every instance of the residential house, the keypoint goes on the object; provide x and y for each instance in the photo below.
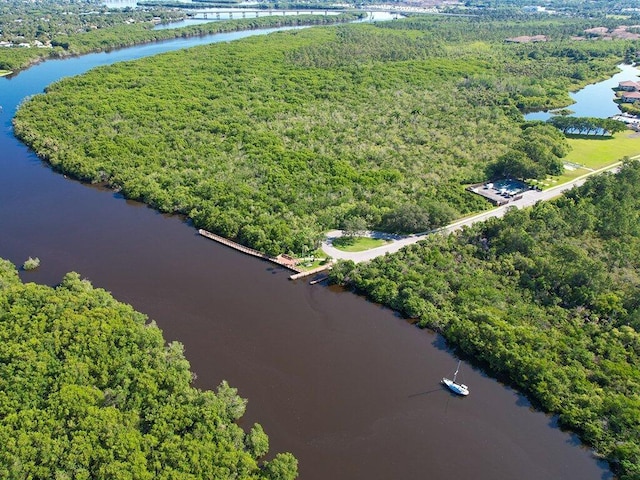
(630, 97)
(629, 86)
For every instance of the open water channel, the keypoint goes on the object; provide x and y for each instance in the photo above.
(347, 386)
(597, 99)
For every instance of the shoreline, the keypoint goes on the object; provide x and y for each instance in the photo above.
(282, 260)
(215, 28)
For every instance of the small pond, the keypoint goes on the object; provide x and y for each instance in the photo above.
(596, 100)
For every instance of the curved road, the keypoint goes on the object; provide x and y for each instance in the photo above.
(529, 198)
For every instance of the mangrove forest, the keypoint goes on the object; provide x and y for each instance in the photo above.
(547, 299)
(90, 389)
(271, 141)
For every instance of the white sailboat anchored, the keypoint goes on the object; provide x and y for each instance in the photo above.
(458, 388)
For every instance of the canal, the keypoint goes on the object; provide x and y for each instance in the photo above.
(345, 385)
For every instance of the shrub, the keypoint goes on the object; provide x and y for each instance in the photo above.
(31, 263)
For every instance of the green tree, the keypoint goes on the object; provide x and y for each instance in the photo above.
(91, 390)
(354, 226)
(407, 218)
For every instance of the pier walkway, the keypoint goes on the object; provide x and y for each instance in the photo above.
(232, 244)
(282, 260)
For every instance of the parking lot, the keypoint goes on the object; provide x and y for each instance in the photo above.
(502, 191)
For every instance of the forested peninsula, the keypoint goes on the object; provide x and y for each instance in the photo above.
(271, 141)
(89, 389)
(125, 35)
(546, 298)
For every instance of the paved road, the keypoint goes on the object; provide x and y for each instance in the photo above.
(529, 198)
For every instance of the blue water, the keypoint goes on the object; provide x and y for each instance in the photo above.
(595, 100)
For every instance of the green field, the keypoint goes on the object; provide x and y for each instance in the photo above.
(314, 260)
(596, 153)
(358, 244)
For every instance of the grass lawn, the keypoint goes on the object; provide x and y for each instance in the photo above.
(595, 153)
(312, 264)
(357, 244)
(314, 260)
(600, 152)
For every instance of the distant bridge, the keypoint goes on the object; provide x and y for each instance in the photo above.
(244, 13)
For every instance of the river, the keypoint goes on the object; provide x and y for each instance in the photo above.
(347, 386)
(597, 99)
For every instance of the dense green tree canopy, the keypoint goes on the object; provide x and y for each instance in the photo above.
(272, 140)
(548, 297)
(525, 8)
(44, 20)
(90, 390)
(79, 33)
(537, 154)
(49, 23)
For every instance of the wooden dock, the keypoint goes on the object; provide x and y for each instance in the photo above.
(232, 244)
(282, 260)
(307, 273)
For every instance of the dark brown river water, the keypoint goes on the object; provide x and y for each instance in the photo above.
(347, 386)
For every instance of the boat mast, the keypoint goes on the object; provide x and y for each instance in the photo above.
(457, 368)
